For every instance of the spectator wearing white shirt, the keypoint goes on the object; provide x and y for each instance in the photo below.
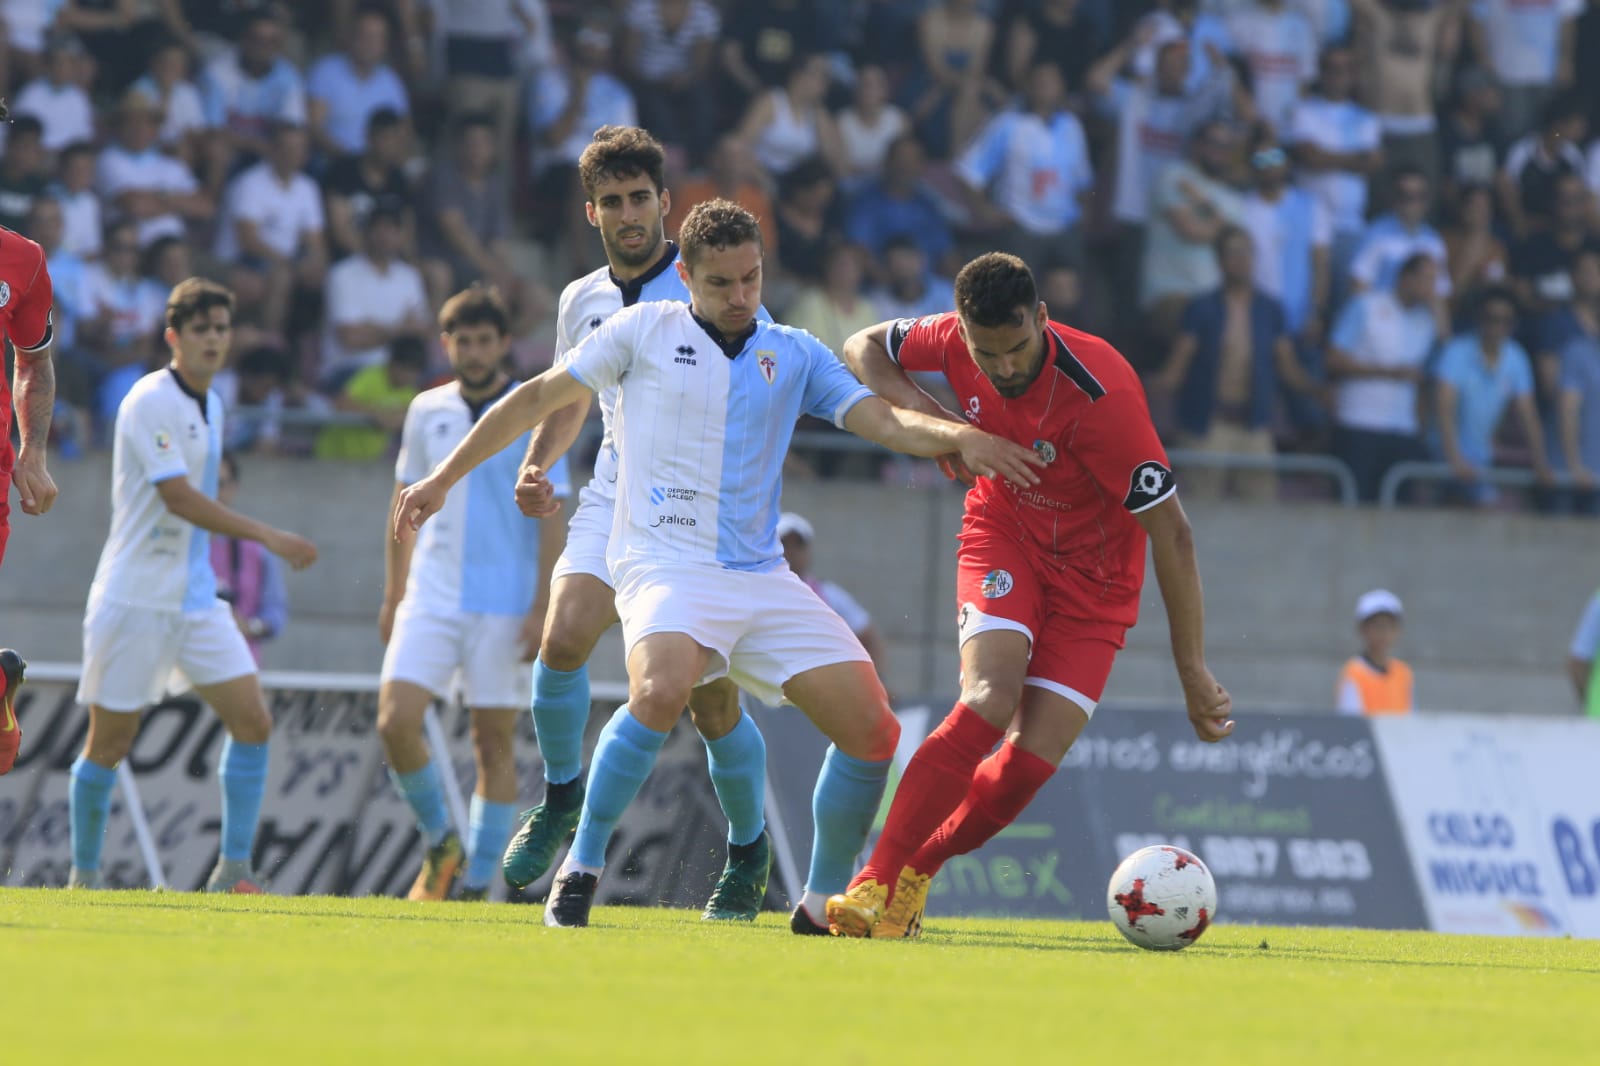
(137, 181)
(868, 126)
(346, 88)
(1392, 239)
(80, 205)
(1292, 233)
(668, 47)
(122, 315)
(797, 536)
(371, 299)
(27, 22)
(246, 90)
(1530, 45)
(272, 228)
(183, 116)
(1279, 46)
(57, 98)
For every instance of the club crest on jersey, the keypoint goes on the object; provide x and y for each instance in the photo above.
(163, 442)
(1045, 450)
(768, 362)
(997, 583)
(5, 293)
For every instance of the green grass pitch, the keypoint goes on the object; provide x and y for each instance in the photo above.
(133, 977)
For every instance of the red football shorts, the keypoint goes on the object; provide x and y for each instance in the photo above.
(1000, 585)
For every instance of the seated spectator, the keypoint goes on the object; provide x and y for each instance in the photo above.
(249, 578)
(120, 34)
(1193, 204)
(247, 90)
(668, 53)
(838, 307)
(1529, 47)
(1470, 144)
(480, 47)
(910, 289)
(167, 262)
(949, 91)
(1394, 238)
(1377, 356)
(790, 124)
(254, 394)
(869, 127)
(58, 99)
(1536, 164)
(354, 186)
(1541, 263)
(1337, 145)
(380, 394)
(731, 173)
(122, 317)
(24, 171)
(272, 228)
(899, 205)
(1279, 48)
(76, 370)
(1475, 252)
(797, 536)
(1376, 682)
(346, 88)
(27, 26)
(373, 299)
(1060, 32)
(183, 113)
(808, 220)
(80, 206)
(1034, 164)
(136, 181)
(1480, 375)
(1576, 448)
(763, 41)
(1583, 655)
(1227, 363)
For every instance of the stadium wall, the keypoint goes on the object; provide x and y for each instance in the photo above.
(1491, 598)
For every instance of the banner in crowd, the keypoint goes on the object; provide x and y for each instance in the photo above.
(1502, 820)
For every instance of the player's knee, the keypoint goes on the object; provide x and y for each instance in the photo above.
(564, 648)
(992, 700)
(883, 737)
(395, 727)
(254, 727)
(657, 701)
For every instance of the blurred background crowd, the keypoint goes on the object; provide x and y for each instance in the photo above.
(1358, 228)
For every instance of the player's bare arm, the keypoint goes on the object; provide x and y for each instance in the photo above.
(35, 399)
(914, 433)
(1178, 573)
(396, 572)
(551, 439)
(528, 405)
(196, 508)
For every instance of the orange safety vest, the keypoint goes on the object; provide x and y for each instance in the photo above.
(1386, 692)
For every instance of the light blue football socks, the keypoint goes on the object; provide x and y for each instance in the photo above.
(560, 712)
(489, 826)
(244, 782)
(842, 809)
(738, 763)
(89, 801)
(422, 790)
(623, 758)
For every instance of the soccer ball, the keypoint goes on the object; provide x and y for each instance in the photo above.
(1162, 898)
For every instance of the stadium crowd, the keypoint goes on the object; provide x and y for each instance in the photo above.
(1358, 227)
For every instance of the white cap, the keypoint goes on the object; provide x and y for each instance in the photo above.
(790, 523)
(1378, 601)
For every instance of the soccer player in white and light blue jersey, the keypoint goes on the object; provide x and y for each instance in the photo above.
(468, 599)
(708, 406)
(153, 606)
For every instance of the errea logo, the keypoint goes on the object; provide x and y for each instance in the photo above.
(685, 356)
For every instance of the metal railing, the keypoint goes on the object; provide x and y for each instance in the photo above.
(1443, 473)
(1318, 465)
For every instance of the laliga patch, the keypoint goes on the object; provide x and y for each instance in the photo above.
(163, 442)
(997, 583)
(1149, 485)
(768, 362)
(1045, 450)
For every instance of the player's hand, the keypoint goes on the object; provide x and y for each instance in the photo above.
(954, 469)
(386, 621)
(34, 487)
(292, 548)
(1209, 706)
(536, 497)
(989, 456)
(418, 503)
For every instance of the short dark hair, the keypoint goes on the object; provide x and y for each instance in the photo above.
(266, 361)
(194, 297)
(73, 150)
(26, 126)
(1497, 293)
(717, 224)
(470, 120)
(384, 118)
(994, 290)
(383, 213)
(1227, 233)
(1401, 173)
(1415, 261)
(1561, 108)
(475, 306)
(408, 351)
(901, 242)
(150, 258)
(618, 153)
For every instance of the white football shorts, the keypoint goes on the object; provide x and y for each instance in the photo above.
(588, 534)
(430, 649)
(132, 656)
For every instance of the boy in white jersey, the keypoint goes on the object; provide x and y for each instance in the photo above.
(470, 599)
(706, 417)
(622, 175)
(153, 606)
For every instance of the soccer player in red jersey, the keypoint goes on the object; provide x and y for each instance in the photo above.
(25, 301)
(1048, 576)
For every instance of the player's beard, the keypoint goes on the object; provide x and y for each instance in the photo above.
(1011, 388)
(634, 257)
(481, 381)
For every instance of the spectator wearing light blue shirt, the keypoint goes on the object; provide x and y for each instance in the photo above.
(1578, 397)
(1392, 239)
(347, 87)
(898, 204)
(244, 91)
(1480, 374)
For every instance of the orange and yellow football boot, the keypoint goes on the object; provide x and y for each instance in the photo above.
(857, 909)
(902, 918)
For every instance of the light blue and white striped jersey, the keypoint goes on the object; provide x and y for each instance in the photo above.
(152, 558)
(479, 554)
(703, 436)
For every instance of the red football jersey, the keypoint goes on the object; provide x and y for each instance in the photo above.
(1086, 416)
(25, 301)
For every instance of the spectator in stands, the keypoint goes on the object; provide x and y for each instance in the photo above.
(910, 288)
(1377, 356)
(1474, 250)
(57, 98)
(80, 207)
(789, 124)
(1337, 145)
(373, 299)
(1292, 232)
(1060, 32)
(899, 205)
(797, 536)
(669, 54)
(167, 262)
(254, 395)
(1279, 48)
(1470, 144)
(248, 90)
(27, 24)
(355, 186)
(1541, 264)
(380, 394)
(480, 43)
(808, 219)
(121, 34)
(731, 173)
(949, 91)
(1033, 166)
(183, 115)
(249, 578)
(1530, 48)
(1577, 444)
(1537, 163)
(1193, 204)
(1393, 238)
(272, 228)
(347, 88)
(23, 171)
(138, 182)
(837, 307)
(1376, 682)
(76, 371)
(1204, 32)
(1480, 375)
(1586, 77)
(1400, 46)
(869, 127)
(1232, 353)
(122, 319)
(1582, 657)
(765, 41)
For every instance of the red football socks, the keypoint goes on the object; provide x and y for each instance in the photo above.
(1004, 785)
(936, 779)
